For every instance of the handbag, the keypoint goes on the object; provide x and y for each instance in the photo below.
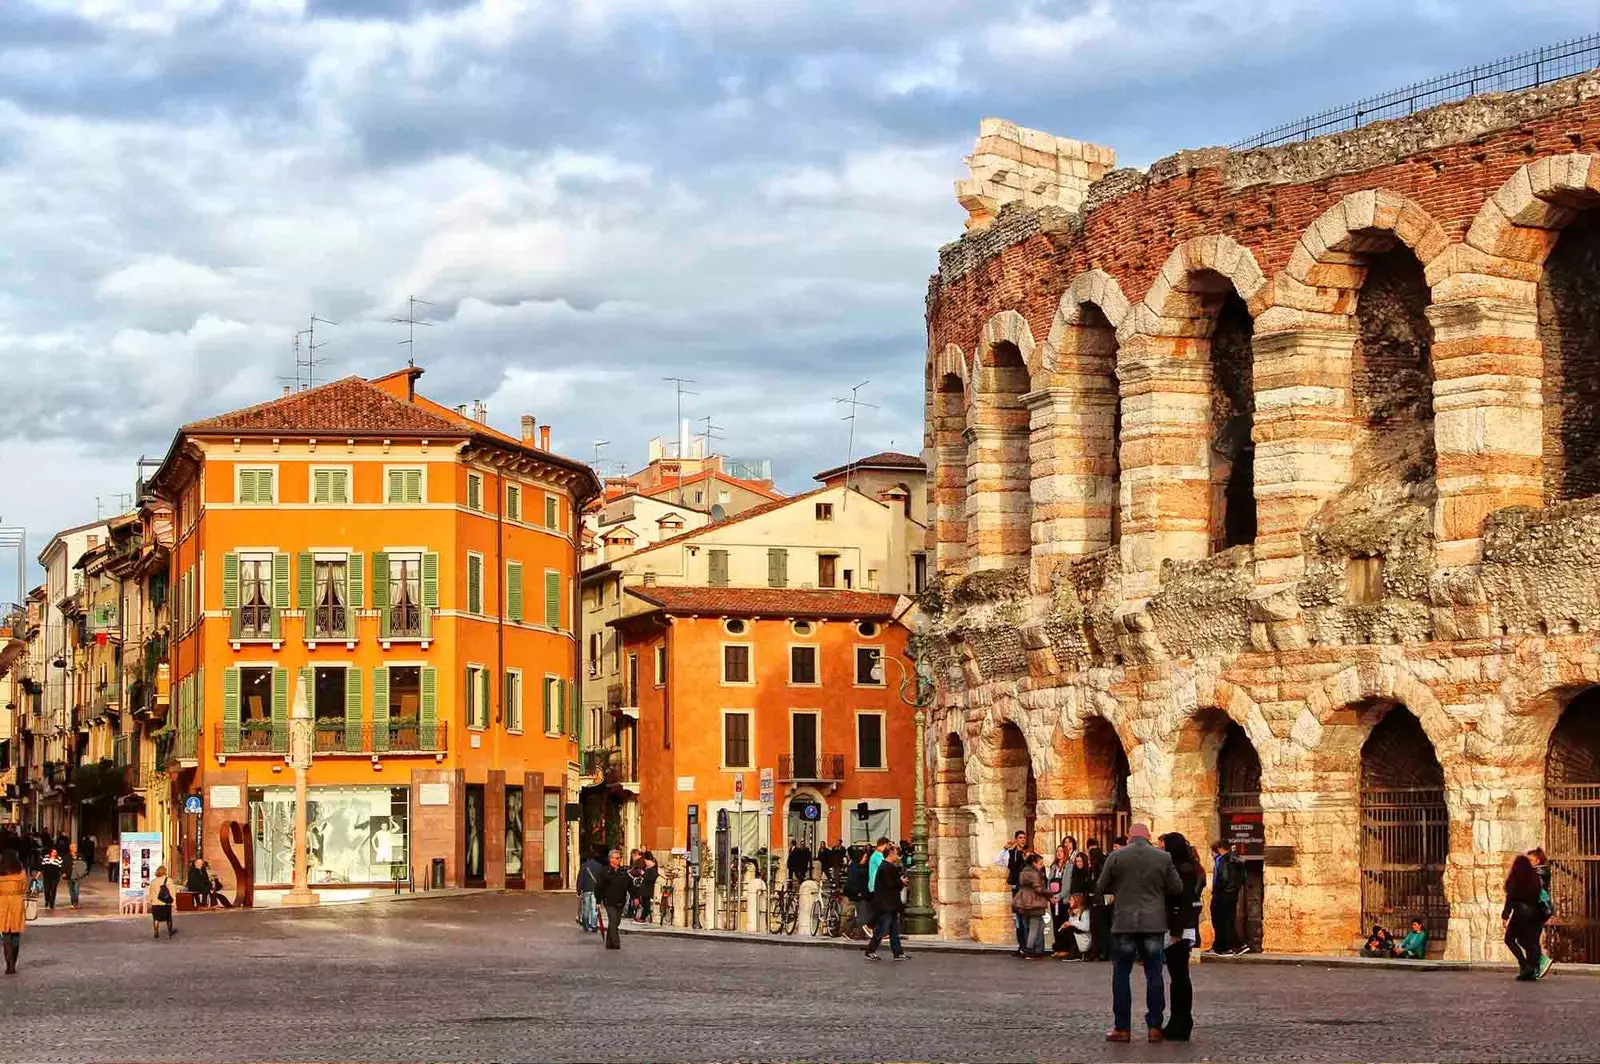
(164, 896)
(31, 908)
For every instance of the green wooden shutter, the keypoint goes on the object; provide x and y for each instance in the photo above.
(199, 698)
(474, 492)
(352, 710)
(573, 715)
(380, 709)
(777, 567)
(355, 597)
(230, 593)
(552, 600)
(514, 590)
(430, 581)
(380, 591)
(469, 696)
(514, 502)
(474, 584)
(507, 702)
(266, 490)
(561, 707)
(322, 485)
(247, 485)
(428, 712)
(340, 486)
(550, 517)
(230, 710)
(308, 583)
(280, 710)
(394, 485)
(411, 489)
(280, 592)
(548, 699)
(483, 698)
(718, 562)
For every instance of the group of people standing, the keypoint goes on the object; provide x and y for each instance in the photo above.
(47, 862)
(604, 882)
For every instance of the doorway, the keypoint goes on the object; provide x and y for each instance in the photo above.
(473, 812)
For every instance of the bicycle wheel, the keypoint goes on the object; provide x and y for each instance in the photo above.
(776, 913)
(818, 927)
(831, 917)
(791, 914)
(664, 913)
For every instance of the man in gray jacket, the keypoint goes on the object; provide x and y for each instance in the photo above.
(1137, 880)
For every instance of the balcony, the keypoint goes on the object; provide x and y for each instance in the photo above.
(611, 766)
(813, 768)
(257, 622)
(333, 737)
(406, 622)
(179, 748)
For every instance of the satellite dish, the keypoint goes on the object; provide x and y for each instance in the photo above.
(719, 512)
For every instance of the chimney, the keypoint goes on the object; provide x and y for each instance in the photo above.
(412, 373)
(527, 429)
(544, 437)
(480, 412)
(461, 408)
(287, 390)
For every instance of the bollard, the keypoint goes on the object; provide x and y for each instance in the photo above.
(810, 891)
(755, 896)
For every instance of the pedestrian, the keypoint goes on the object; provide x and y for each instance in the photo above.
(647, 885)
(13, 914)
(887, 905)
(1137, 880)
(1547, 906)
(1012, 858)
(90, 846)
(113, 861)
(588, 880)
(1183, 934)
(198, 883)
(1227, 882)
(1030, 903)
(1057, 879)
(857, 888)
(51, 866)
(875, 861)
(1081, 880)
(1521, 915)
(162, 894)
(77, 872)
(217, 895)
(612, 887)
(1099, 917)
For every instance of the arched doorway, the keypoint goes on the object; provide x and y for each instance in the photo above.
(1093, 773)
(1572, 830)
(952, 843)
(998, 531)
(1233, 405)
(1405, 828)
(1019, 790)
(807, 820)
(1240, 816)
(1569, 335)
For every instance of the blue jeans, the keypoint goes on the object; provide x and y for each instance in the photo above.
(1148, 949)
(886, 923)
(73, 886)
(588, 911)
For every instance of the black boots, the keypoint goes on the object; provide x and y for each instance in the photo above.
(11, 958)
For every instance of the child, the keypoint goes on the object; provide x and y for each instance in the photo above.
(1379, 944)
(1415, 945)
(1078, 921)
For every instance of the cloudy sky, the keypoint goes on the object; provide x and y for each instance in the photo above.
(594, 194)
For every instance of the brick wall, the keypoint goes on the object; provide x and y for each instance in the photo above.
(1569, 331)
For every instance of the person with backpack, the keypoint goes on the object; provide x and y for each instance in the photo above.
(588, 880)
(1228, 877)
(857, 887)
(161, 895)
(1521, 914)
(1547, 905)
(887, 905)
(1013, 858)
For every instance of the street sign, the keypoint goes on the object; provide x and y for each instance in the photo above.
(738, 787)
(768, 781)
(192, 805)
(1247, 831)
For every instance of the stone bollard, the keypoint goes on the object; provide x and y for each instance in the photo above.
(810, 891)
(755, 894)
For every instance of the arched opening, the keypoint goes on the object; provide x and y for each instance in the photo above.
(1392, 366)
(1569, 333)
(1217, 795)
(1405, 827)
(953, 856)
(1233, 404)
(1572, 830)
(1091, 783)
(807, 821)
(949, 417)
(998, 530)
(1097, 345)
(1019, 791)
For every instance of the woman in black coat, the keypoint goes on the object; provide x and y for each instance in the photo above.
(1183, 930)
(1522, 915)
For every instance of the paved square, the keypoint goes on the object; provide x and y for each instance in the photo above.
(505, 977)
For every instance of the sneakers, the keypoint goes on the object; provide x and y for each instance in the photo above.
(1545, 964)
(902, 956)
(871, 956)
(1117, 1034)
(1241, 951)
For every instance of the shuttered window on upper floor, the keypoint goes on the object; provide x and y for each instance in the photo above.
(330, 487)
(402, 486)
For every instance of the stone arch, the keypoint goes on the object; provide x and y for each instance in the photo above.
(946, 402)
(997, 444)
(1373, 683)
(1521, 222)
(952, 837)
(1075, 428)
(1170, 307)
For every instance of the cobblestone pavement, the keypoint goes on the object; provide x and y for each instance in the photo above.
(504, 977)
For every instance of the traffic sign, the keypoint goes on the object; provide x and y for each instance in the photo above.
(192, 805)
(767, 785)
(738, 786)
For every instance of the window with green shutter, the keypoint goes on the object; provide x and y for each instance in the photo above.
(230, 710)
(380, 709)
(513, 700)
(777, 567)
(717, 565)
(430, 581)
(551, 517)
(474, 491)
(255, 486)
(514, 591)
(280, 592)
(355, 570)
(549, 696)
(513, 502)
(280, 711)
(403, 486)
(474, 584)
(552, 599)
(352, 711)
(428, 709)
(330, 486)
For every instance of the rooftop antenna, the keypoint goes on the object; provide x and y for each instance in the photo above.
(597, 445)
(305, 358)
(678, 383)
(712, 432)
(411, 321)
(855, 402)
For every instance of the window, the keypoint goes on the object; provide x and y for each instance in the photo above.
(551, 512)
(330, 487)
(256, 486)
(328, 697)
(477, 697)
(869, 741)
(722, 497)
(736, 751)
(735, 626)
(255, 709)
(735, 663)
(594, 653)
(777, 567)
(824, 511)
(552, 833)
(827, 570)
(405, 600)
(513, 502)
(919, 573)
(632, 692)
(474, 491)
(849, 578)
(552, 598)
(329, 618)
(869, 666)
(513, 708)
(867, 629)
(803, 665)
(514, 591)
(405, 696)
(661, 665)
(255, 596)
(475, 583)
(403, 486)
(553, 706)
(717, 568)
(802, 627)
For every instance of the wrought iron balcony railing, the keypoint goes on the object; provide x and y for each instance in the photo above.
(813, 768)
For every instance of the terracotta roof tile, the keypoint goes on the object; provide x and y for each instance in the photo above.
(881, 460)
(769, 602)
(756, 486)
(347, 405)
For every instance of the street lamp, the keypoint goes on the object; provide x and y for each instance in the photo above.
(920, 918)
(300, 733)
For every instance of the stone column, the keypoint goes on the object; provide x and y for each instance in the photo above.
(1303, 437)
(1488, 419)
(1491, 821)
(997, 490)
(991, 896)
(1314, 904)
(1072, 482)
(494, 830)
(948, 490)
(533, 831)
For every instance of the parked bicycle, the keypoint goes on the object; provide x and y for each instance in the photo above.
(826, 916)
(783, 909)
(666, 898)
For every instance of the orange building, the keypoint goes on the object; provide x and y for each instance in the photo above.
(411, 570)
(726, 683)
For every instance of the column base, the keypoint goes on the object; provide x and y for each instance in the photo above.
(301, 896)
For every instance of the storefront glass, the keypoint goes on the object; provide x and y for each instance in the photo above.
(356, 834)
(513, 832)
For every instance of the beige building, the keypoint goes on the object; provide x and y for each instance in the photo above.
(63, 670)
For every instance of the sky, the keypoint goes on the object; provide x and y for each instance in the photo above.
(592, 195)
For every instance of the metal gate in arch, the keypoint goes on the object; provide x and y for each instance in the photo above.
(1405, 829)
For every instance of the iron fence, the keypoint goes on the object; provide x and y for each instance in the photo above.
(1525, 70)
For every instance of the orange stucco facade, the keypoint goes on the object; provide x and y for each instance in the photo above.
(688, 760)
(410, 570)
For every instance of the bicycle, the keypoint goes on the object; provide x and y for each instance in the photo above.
(783, 910)
(664, 903)
(825, 915)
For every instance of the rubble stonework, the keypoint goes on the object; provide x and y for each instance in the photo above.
(1369, 491)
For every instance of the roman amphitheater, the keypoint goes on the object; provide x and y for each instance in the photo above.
(1267, 493)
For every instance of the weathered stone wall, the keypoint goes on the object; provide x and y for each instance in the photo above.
(1385, 307)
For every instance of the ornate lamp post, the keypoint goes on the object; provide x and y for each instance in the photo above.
(300, 744)
(920, 919)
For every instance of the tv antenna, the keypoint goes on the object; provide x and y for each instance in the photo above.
(677, 426)
(597, 445)
(411, 321)
(305, 355)
(855, 403)
(712, 432)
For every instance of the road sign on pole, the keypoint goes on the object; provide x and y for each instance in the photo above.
(767, 783)
(738, 787)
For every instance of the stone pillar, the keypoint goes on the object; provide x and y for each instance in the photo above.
(991, 896)
(221, 783)
(1303, 437)
(1490, 823)
(1314, 904)
(1166, 437)
(1072, 475)
(436, 829)
(494, 830)
(997, 490)
(1488, 419)
(809, 891)
(948, 490)
(533, 831)
(950, 835)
